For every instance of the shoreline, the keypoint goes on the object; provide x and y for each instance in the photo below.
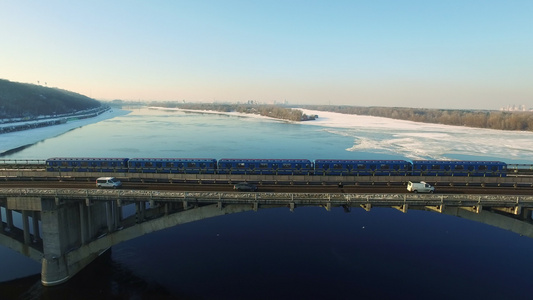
(225, 113)
(12, 142)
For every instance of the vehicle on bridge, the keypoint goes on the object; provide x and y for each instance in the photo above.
(87, 164)
(458, 168)
(265, 166)
(245, 186)
(318, 167)
(172, 165)
(361, 167)
(420, 187)
(108, 182)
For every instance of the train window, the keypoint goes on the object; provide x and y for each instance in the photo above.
(384, 167)
(263, 165)
(203, 165)
(482, 168)
(396, 167)
(191, 165)
(274, 166)
(84, 164)
(148, 164)
(287, 166)
(435, 167)
(180, 165)
(337, 166)
(104, 164)
(94, 164)
(74, 164)
(459, 167)
(325, 166)
(447, 168)
(240, 165)
(470, 168)
(349, 167)
(373, 167)
(64, 164)
(158, 164)
(138, 164)
(361, 167)
(251, 166)
(494, 168)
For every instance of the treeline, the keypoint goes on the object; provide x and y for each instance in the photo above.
(272, 111)
(22, 100)
(501, 120)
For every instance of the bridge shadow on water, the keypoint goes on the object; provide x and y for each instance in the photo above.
(102, 279)
(277, 253)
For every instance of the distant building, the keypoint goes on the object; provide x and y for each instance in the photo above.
(516, 108)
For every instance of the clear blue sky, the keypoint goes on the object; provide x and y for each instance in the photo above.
(441, 54)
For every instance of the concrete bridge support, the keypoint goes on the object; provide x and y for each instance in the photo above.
(35, 218)
(1, 221)
(9, 219)
(65, 227)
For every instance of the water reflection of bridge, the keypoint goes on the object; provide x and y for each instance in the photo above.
(66, 229)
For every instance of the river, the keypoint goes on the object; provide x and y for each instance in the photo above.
(279, 254)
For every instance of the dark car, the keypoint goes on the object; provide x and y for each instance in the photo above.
(245, 186)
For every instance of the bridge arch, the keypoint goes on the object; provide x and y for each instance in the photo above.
(77, 226)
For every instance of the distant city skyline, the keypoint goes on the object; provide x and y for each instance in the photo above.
(434, 54)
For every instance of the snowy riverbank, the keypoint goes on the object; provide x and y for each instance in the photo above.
(14, 140)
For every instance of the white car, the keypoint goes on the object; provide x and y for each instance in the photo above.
(420, 187)
(108, 182)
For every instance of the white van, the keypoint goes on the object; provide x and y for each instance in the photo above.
(421, 187)
(108, 182)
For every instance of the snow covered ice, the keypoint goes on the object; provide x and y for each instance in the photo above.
(415, 140)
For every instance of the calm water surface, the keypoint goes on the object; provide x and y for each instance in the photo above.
(275, 253)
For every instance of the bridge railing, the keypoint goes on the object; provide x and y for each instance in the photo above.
(385, 199)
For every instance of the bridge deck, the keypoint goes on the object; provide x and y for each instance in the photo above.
(22, 198)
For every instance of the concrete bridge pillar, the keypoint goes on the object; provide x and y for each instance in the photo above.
(526, 214)
(140, 208)
(113, 215)
(83, 223)
(67, 227)
(118, 214)
(9, 219)
(26, 227)
(35, 219)
(1, 222)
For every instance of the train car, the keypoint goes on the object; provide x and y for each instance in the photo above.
(173, 165)
(335, 167)
(265, 166)
(459, 168)
(86, 164)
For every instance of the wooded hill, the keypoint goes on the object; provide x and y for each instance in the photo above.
(23, 100)
(501, 120)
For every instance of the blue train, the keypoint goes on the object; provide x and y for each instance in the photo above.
(319, 167)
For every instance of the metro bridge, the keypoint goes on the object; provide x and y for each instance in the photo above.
(67, 222)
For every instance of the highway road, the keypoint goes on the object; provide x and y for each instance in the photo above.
(282, 188)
